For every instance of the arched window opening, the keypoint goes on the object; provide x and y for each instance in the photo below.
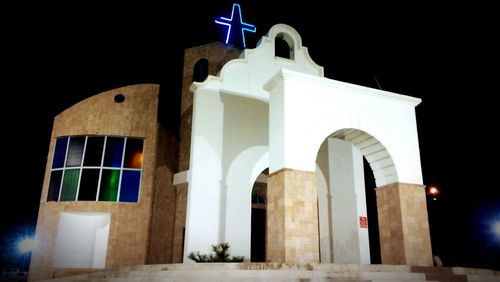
(200, 71)
(283, 46)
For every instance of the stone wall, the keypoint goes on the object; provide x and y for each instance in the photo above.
(164, 201)
(403, 224)
(292, 217)
(217, 55)
(180, 222)
(128, 239)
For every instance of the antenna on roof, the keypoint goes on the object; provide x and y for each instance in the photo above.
(376, 80)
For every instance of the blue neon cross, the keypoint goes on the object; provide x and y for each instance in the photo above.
(229, 21)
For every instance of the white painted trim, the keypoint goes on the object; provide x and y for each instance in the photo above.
(335, 84)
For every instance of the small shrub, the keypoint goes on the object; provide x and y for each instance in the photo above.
(220, 253)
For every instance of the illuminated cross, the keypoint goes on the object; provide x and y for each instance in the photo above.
(234, 20)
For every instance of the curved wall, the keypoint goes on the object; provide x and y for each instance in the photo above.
(129, 228)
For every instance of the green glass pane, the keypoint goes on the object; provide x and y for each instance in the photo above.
(109, 185)
(70, 184)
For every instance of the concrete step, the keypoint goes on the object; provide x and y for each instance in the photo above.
(257, 272)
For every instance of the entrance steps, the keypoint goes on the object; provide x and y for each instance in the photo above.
(256, 272)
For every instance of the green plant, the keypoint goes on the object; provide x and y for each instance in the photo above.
(220, 253)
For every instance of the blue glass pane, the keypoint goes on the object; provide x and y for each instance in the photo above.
(114, 152)
(75, 151)
(54, 185)
(129, 190)
(60, 152)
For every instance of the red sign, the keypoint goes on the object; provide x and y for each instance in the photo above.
(363, 222)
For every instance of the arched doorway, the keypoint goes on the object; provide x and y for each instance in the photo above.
(258, 229)
(371, 209)
(348, 163)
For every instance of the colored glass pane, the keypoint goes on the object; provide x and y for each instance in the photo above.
(60, 152)
(88, 185)
(75, 151)
(93, 151)
(70, 184)
(129, 191)
(110, 179)
(54, 185)
(114, 152)
(133, 153)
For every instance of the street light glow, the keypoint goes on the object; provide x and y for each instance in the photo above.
(496, 227)
(433, 191)
(26, 245)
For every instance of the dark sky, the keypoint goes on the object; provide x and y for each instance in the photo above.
(55, 55)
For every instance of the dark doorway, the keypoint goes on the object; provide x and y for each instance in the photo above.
(371, 208)
(258, 233)
(258, 247)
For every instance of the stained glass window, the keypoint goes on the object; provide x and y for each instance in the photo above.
(114, 152)
(70, 184)
(54, 185)
(93, 151)
(60, 152)
(109, 184)
(129, 190)
(96, 168)
(75, 151)
(88, 184)
(133, 153)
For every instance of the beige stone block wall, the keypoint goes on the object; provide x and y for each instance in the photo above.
(130, 222)
(217, 54)
(292, 217)
(180, 223)
(404, 225)
(164, 200)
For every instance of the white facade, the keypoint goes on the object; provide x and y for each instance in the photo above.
(264, 111)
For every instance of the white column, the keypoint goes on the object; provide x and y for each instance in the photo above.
(324, 204)
(350, 239)
(204, 198)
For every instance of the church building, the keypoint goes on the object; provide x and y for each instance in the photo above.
(269, 158)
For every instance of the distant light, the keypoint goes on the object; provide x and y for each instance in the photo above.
(229, 21)
(496, 227)
(26, 245)
(433, 191)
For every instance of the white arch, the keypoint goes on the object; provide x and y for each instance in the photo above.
(373, 150)
(241, 175)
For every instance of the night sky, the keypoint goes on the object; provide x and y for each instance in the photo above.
(55, 56)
